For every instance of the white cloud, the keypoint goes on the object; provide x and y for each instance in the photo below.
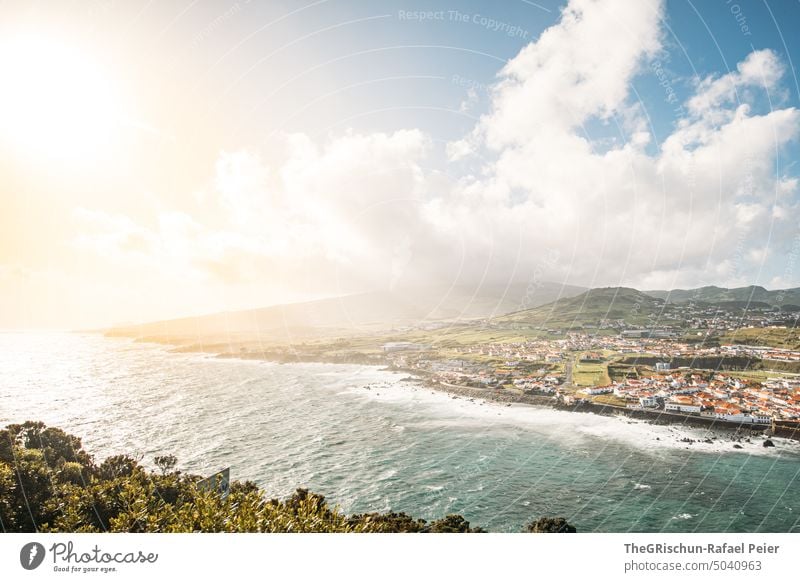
(704, 206)
(676, 216)
(345, 208)
(760, 69)
(579, 68)
(113, 235)
(470, 102)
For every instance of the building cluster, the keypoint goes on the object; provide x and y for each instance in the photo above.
(541, 367)
(762, 352)
(719, 318)
(721, 397)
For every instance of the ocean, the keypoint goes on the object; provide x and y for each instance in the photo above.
(371, 440)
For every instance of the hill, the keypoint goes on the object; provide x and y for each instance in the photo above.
(354, 314)
(778, 337)
(591, 308)
(712, 294)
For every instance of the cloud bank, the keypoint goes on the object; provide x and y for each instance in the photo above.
(527, 193)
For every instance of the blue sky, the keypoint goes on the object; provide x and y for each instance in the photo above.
(700, 39)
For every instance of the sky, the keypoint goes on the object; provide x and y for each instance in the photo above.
(175, 158)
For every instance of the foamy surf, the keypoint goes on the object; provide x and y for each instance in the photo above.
(318, 426)
(571, 428)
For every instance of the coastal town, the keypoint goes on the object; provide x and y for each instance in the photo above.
(649, 374)
(721, 362)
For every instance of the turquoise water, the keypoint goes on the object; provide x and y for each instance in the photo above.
(371, 442)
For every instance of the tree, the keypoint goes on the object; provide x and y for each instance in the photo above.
(32, 492)
(56, 445)
(166, 463)
(116, 467)
(7, 486)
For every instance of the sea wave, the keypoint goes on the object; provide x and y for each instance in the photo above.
(397, 445)
(576, 428)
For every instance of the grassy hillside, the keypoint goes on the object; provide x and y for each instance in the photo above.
(592, 308)
(743, 295)
(354, 314)
(778, 337)
(455, 315)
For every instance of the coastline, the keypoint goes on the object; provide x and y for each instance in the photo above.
(659, 417)
(559, 424)
(714, 429)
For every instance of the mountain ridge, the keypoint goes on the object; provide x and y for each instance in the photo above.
(541, 305)
(601, 303)
(375, 310)
(714, 294)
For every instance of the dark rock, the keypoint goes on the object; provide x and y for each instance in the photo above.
(737, 446)
(768, 443)
(550, 525)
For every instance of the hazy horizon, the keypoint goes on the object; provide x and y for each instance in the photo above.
(180, 159)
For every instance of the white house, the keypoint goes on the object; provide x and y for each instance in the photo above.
(648, 401)
(745, 418)
(672, 406)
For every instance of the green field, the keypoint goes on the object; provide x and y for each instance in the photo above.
(777, 337)
(620, 371)
(460, 335)
(609, 399)
(590, 374)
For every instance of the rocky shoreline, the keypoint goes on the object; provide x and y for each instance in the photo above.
(716, 430)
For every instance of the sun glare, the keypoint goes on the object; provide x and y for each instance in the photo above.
(55, 102)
